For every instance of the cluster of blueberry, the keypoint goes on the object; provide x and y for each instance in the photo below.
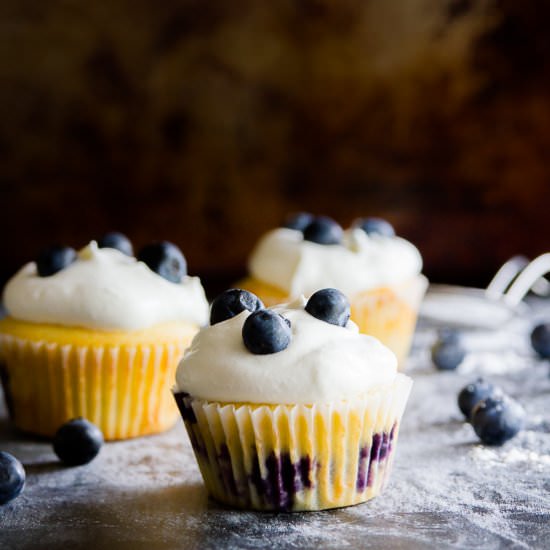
(266, 331)
(77, 442)
(324, 230)
(449, 349)
(164, 257)
(495, 417)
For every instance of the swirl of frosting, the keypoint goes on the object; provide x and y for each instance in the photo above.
(283, 259)
(323, 363)
(106, 290)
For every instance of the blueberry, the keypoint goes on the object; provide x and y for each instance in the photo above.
(497, 419)
(329, 305)
(166, 259)
(540, 340)
(448, 353)
(323, 230)
(231, 303)
(376, 226)
(266, 332)
(77, 442)
(473, 393)
(54, 259)
(298, 221)
(12, 477)
(118, 241)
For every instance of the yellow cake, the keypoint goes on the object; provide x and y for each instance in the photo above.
(99, 339)
(380, 274)
(309, 424)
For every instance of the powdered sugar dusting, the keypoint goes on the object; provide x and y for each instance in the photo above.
(446, 489)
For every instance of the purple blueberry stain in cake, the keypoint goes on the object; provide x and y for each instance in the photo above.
(225, 469)
(183, 401)
(283, 480)
(5, 380)
(304, 470)
(256, 474)
(184, 405)
(361, 483)
(379, 450)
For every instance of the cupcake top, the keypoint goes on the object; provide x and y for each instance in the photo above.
(104, 289)
(298, 353)
(302, 258)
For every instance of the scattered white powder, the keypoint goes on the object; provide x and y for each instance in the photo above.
(491, 457)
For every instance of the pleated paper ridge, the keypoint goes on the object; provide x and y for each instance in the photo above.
(296, 457)
(124, 390)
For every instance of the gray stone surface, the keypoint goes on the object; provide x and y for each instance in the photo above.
(446, 490)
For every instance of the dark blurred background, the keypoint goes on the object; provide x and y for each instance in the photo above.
(206, 122)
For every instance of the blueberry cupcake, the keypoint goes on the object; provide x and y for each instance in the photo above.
(98, 334)
(378, 271)
(290, 408)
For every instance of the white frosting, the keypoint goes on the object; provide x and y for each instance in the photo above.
(285, 260)
(104, 289)
(322, 363)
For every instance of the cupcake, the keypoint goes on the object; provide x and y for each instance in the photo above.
(378, 271)
(98, 334)
(290, 408)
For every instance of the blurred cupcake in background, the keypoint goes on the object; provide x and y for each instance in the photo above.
(378, 271)
(98, 334)
(290, 408)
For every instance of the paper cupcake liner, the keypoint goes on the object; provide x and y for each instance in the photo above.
(296, 457)
(124, 390)
(390, 314)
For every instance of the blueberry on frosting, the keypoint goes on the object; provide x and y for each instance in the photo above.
(166, 259)
(118, 241)
(330, 305)
(323, 230)
(298, 221)
(54, 259)
(376, 226)
(231, 303)
(265, 332)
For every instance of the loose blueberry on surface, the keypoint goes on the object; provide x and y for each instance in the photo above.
(266, 332)
(448, 353)
(330, 305)
(298, 221)
(54, 259)
(118, 241)
(231, 303)
(473, 393)
(376, 226)
(166, 259)
(497, 419)
(12, 477)
(77, 442)
(323, 230)
(540, 340)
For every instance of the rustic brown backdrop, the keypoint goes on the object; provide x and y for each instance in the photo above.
(205, 122)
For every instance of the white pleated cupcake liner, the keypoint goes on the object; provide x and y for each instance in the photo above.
(124, 390)
(296, 457)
